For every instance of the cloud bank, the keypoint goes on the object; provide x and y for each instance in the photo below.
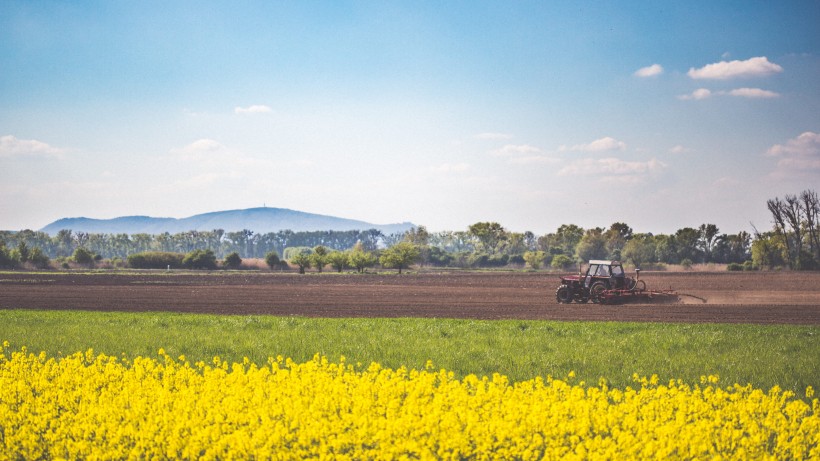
(10, 147)
(725, 70)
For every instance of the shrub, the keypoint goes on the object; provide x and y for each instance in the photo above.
(233, 260)
(200, 259)
(39, 259)
(561, 262)
(272, 259)
(7, 257)
(155, 260)
(83, 256)
(734, 267)
(749, 266)
(686, 263)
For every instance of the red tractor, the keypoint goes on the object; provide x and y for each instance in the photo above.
(601, 277)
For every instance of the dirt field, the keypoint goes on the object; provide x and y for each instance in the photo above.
(761, 297)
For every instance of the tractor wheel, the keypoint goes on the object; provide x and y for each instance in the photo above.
(563, 294)
(595, 291)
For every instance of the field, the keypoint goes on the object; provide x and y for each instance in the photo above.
(731, 297)
(451, 365)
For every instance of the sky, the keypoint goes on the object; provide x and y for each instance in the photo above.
(661, 115)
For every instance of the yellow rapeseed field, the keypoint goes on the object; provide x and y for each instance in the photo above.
(93, 406)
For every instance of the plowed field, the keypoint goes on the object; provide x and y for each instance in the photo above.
(760, 297)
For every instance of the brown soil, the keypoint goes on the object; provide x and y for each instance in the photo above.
(760, 297)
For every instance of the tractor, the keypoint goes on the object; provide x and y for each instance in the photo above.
(601, 277)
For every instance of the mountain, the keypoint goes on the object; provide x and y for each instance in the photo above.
(259, 220)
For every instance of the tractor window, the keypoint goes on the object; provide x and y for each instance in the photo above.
(617, 271)
(603, 271)
(593, 269)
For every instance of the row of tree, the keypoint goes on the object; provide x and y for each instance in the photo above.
(793, 242)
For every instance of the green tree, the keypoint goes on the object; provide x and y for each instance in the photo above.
(301, 260)
(562, 262)
(640, 249)
(534, 258)
(616, 237)
(708, 239)
(233, 260)
(318, 258)
(769, 250)
(360, 258)
(23, 251)
(592, 245)
(489, 234)
(400, 256)
(83, 256)
(38, 258)
(567, 237)
(339, 260)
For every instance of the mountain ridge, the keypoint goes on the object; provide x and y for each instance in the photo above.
(258, 220)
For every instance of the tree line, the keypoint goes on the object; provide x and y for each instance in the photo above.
(793, 242)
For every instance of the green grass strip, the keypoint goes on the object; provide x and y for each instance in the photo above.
(762, 355)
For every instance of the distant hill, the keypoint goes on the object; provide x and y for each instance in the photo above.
(259, 220)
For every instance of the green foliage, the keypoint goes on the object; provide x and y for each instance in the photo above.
(155, 260)
(734, 267)
(562, 262)
(302, 260)
(400, 256)
(763, 355)
(83, 256)
(200, 259)
(489, 234)
(592, 245)
(290, 252)
(361, 259)
(233, 260)
(640, 250)
(22, 252)
(318, 258)
(7, 258)
(272, 259)
(339, 260)
(38, 258)
(534, 258)
(686, 263)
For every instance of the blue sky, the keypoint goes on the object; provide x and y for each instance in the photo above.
(532, 114)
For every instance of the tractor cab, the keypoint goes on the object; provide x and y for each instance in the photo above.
(611, 273)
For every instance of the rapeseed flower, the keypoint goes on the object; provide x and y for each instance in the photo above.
(93, 406)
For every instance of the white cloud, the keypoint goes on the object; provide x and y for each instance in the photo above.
(679, 149)
(493, 136)
(800, 155)
(613, 170)
(753, 93)
(599, 145)
(255, 109)
(725, 70)
(534, 160)
(11, 146)
(200, 149)
(700, 93)
(649, 71)
(515, 149)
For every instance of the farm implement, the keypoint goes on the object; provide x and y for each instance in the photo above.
(606, 283)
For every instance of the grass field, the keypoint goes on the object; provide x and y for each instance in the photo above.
(764, 356)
